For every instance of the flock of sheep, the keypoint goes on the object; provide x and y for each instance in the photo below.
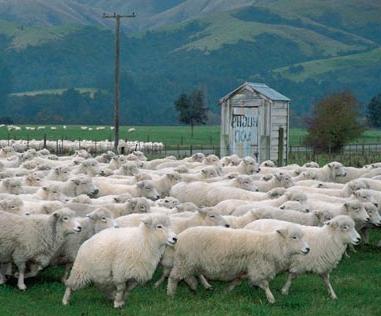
(70, 146)
(113, 219)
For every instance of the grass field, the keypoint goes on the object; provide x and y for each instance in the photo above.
(169, 135)
(356, 281)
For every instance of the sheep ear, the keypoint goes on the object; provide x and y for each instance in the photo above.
(140, 184)
(116, 200)
(346, 205)
(331, 224)
(91, 215)
(283, 232)
(147, 221)
(202, 211)
(282, 207)
(76, 181)
(56, 214)
(329, 165)
(45, 188)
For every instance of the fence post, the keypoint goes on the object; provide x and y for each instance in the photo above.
(191, 150)
(280, 146)
(45, 140)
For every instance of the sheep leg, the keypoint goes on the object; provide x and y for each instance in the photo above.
(119, 295)
(233, 284)
(264, 285)
(365, 235)
(3, 279)
(67, 272)
(327, 283)
(352, 248)
(172, 286)
(287, 285)
(20, 282)
(205, 282)
(191, 282)
(130, 286)
(67, 296)
(164, 275)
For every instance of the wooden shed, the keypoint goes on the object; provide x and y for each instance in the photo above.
(251, 118)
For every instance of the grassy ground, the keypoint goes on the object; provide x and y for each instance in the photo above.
(206, 136)
(356, 281)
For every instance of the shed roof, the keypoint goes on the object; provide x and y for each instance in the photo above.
(261, 88)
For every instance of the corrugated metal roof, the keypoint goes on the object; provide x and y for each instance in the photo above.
(261, 88)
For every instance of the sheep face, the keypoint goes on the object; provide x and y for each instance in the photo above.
(323, 216)
(296, 196)
(268, 164)
(61, 173)
(173, 178)
(138, 205)
(102, 219)
(52, 192)
(250, 165)
(181, 169)
(212, 218)
(82, 198)
(67, 221)
(337, 170)
(246, 183)
(187, 207)
(364, 196)
(168, 202)
(356, 185)
(212, 160)
(84, 185)
(344, 227)
(198, 157)
(373, 213)
(294, 205)
(105, 172)
(33, 179)
(129, 169)
(159, 225)
(89, 167)
(284, 180)
(208, 173)
(356, 211)
(147, 189)
(276, 193)
(292, 236)
(11, 205)
(311, 164)
(12, 186)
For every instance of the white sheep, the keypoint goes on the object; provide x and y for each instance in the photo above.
(131, 260)
(234, 252)
(328, 244)
(33, 238)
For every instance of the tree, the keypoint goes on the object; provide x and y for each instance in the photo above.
(334, 122)
(374, 111)
(192, 109)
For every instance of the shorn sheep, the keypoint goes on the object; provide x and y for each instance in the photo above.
(131, 260)
(225, 254)
(328, 244)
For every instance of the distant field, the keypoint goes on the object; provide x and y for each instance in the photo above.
(169, 135)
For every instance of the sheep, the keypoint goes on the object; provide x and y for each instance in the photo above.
(93, 223)
(240, 221)
(294, 205)
(168, 202)
(328, 244)
(31, 238)
(248, 165)
(314, 218)
(374, 221)
(234, 252)
(12, 205)
(186, 207)
(11, 185)
(131, 261)
(279, 179)
(145, 188)
(164, 184)
(288, 196)
(330, 172)
(61, 173)
(204, 194)
(205, 173)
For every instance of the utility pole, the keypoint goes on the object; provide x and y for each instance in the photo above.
(117, 18)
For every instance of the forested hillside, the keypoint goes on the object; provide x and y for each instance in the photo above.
(303, 51)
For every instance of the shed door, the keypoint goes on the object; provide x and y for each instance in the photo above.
(244, 131)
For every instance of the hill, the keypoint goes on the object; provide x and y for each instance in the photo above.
(302, 50)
